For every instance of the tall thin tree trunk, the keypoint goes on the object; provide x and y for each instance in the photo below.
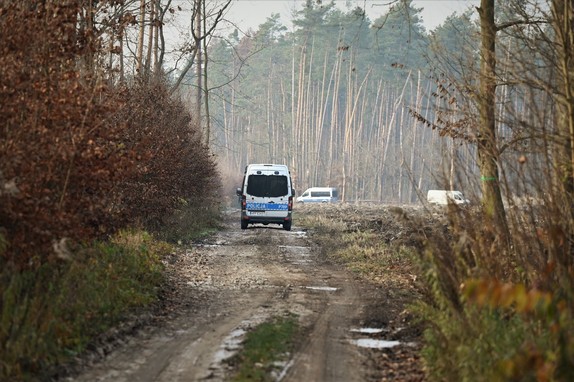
(488, 156)
(151, 28)
(415, 146)
(157, 29)
(563, 14)
(199, 63)
(333, 131)
(140, 47)
(269, 113)
(122, 65)
(204, 75)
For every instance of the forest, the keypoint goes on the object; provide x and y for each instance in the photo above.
(382, 109)
(335, 98)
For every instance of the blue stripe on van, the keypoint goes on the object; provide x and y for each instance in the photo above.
(266, 206)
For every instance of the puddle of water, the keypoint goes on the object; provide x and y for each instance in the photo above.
(368, 330)
(328, 289)
(374, 344)
(230, 345)
(284, 371)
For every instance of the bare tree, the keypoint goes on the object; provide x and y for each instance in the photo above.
(212, 20)
(488, 155)
(563, 26)
(141, 33)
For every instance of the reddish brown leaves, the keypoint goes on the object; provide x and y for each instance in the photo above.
(80, 158)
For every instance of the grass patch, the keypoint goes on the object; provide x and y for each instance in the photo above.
(51, 312)
(366, 254)
(265, 349)
(191, 222)
(362, 249)
(488, 345)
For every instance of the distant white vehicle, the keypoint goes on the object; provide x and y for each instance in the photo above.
(444, 197)
(319, 195)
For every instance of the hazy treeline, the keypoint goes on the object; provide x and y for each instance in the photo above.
(355, 103)
(331, 98)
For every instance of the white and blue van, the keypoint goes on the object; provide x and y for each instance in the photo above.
(319, 195)
(266, 195)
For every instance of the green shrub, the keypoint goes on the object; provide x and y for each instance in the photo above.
(52, 311)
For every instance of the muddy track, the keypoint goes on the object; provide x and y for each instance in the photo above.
(230, 283)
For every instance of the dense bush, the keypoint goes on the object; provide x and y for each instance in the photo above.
(80, 158)
(57, 155)
(175, 171)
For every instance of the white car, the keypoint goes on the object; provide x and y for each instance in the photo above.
(319, 195)
(444, 197)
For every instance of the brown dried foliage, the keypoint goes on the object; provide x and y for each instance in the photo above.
(173, 165)
(79, 158)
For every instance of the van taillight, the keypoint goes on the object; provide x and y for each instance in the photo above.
(243, 202)
(290, 204)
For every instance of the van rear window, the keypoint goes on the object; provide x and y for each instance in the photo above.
(267, 185)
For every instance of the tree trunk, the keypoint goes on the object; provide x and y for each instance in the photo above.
(157, 28)
(198, 5)
(333, 131)
(204, 75)
(488, 156)
(563, 25)
(150, 40)
(563, 16)
(139, 54)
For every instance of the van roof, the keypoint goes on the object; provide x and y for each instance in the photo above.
(443, 191)
(267, 165)
(320, 188)
(263, 166)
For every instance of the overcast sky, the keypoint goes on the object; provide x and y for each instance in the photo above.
(251, 13)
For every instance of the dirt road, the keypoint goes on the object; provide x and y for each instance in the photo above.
(236, 280)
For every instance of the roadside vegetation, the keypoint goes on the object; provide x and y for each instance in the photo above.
(501, 315)
(486, 316)
(52, 311)
(360, 242)
(500, 304)
(98, 179)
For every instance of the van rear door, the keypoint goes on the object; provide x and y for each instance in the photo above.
(267, 194)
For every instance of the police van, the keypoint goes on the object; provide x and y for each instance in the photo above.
(266, 195)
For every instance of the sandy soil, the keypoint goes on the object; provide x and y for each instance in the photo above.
(236, 279)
